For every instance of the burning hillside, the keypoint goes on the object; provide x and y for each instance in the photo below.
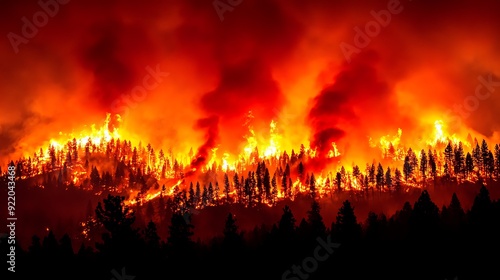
(182, 78)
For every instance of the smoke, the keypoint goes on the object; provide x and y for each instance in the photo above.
(246, 50)
(211, 125)
(265, 57)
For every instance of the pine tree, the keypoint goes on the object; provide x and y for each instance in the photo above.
(192, 196)
(388, 178)
(117, 218)
(425, 217)
(497, 160)
(210, 194)
(284, 185)
(371, 174)
(356, 171)
(432, 164)
(453, 216)
(459, 167)
(476, 156)
(312, 186)
(346, 227)
(338, 180)
(300, 171)
(380, 177)
(95, 178)
(180, 232)
(481, 211)
(274, 188)
(423, 164)
(293, 157)
(446, 171)
(227, 188)
(413, 160)
(407, 170)
(237, 187)
(490, 165)
(151, 237)
(397, 180)
(197, 194)
(315, 220)
(448, 154)
(286, 225)
(469, 165)
(485, 155)
(204, 197)
(233, 239)
(302, 152)
(267, 184)
(216, 193)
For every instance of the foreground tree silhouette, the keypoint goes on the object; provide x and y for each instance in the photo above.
(480, 214)
(121, 242)
(425, 217)
(453, 216)
(286, 226)
(151, 237)
(179, 241)
(315, 221)
(346, 227)
(232, 237)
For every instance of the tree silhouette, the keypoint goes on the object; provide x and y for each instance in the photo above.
(151, 236)
(233, 239)
(375, 227)
(315, 221)
(453, 216)
(312, 186)
(180, 232)
(380, 177)
(480, 213)
(286, 226)
(120, 241)
(346, 226)
(425, 216)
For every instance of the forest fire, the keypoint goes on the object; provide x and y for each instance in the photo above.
(331, 165)
(152, 113)
(76, 153)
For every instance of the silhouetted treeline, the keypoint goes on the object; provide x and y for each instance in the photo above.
(116, 167)
(420, 241)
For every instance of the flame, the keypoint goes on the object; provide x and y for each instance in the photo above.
(96, 136)
(274, 142)
(441, 136)
(390, 145)
(334, 152)
(226, 166)
(271, 147)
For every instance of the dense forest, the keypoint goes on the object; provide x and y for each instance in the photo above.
(150, 234)
(420, 241)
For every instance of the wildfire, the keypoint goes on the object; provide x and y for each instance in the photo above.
(152, 194)
(442, 137)
(390, 145)
(334, 152)
(226, 165)
(271, 147)
(393, 148)
(274, 142)
(165, 169)
(96, 136)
